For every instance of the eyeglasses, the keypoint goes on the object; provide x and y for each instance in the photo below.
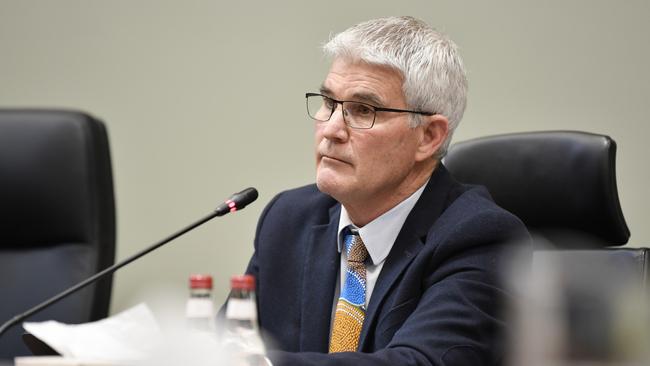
(355, 114)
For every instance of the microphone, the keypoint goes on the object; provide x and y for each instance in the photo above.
(236, 202)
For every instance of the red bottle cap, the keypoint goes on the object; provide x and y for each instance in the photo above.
(201, 281)
(242, 282)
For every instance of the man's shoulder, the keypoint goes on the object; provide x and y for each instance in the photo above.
(474, 200)
(307, 196)
(309, 190)
(474, 214)
(304, 203)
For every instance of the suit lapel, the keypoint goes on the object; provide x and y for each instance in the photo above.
(320, 274)
(409, 242)
(406, 247)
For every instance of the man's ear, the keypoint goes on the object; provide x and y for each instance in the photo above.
(435, 130)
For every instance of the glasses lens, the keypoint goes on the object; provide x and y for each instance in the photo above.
(319, 107)
(359, 115)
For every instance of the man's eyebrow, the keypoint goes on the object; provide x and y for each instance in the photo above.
(356, 97)
(368, 98)
(325, 90)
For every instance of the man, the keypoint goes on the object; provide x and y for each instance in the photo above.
(386, 260)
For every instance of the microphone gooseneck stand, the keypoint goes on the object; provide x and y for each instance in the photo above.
(237, 202)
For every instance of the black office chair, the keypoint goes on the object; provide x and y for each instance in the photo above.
(562, 184)
(57, 217)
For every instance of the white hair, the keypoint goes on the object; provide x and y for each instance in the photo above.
(433, 74)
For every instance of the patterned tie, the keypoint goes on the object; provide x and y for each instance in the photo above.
(351, 307)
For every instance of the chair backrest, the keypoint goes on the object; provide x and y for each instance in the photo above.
(57, 216)
(562, 184)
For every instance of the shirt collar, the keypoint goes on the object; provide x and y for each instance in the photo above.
(379, 235)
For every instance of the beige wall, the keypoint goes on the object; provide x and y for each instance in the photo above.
(204, 98)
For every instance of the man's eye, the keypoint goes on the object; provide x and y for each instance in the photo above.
(328, 102)
(361, 110)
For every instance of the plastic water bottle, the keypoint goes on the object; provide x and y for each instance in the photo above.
(242, 332)
(199, 310)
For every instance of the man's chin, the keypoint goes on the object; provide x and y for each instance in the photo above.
(329, 185)
(323, 187)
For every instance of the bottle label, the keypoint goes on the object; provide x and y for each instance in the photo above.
(199, 308)
(241, 309)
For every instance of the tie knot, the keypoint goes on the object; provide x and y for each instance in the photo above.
(356, 250)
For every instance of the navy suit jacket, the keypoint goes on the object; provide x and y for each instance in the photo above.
(437, 300)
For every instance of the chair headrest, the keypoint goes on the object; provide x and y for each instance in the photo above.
(55, 177)
(555, 181)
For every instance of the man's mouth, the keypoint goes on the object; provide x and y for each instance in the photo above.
(331, 158)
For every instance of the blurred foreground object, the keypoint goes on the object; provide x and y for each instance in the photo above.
(57, 216)
(583, 308)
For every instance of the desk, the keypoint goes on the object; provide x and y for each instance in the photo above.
(56, 361)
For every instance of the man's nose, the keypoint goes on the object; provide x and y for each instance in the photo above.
(336, 128)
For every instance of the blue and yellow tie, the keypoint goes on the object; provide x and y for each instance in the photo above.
(351, 307)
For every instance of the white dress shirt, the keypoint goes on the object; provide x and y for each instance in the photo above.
(378, 236)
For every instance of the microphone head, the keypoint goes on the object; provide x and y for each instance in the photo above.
(243, 198)
(237, 201)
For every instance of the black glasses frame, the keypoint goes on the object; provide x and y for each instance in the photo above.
(374, 108)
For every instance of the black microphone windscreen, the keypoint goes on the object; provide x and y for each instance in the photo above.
(243, 198)
(237, 201)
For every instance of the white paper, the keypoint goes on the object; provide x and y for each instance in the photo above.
(128, 336)
(57, 361)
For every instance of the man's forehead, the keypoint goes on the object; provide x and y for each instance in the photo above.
(362, 81)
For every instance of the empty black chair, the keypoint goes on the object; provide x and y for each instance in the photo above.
(562, 184)
(57, 217)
